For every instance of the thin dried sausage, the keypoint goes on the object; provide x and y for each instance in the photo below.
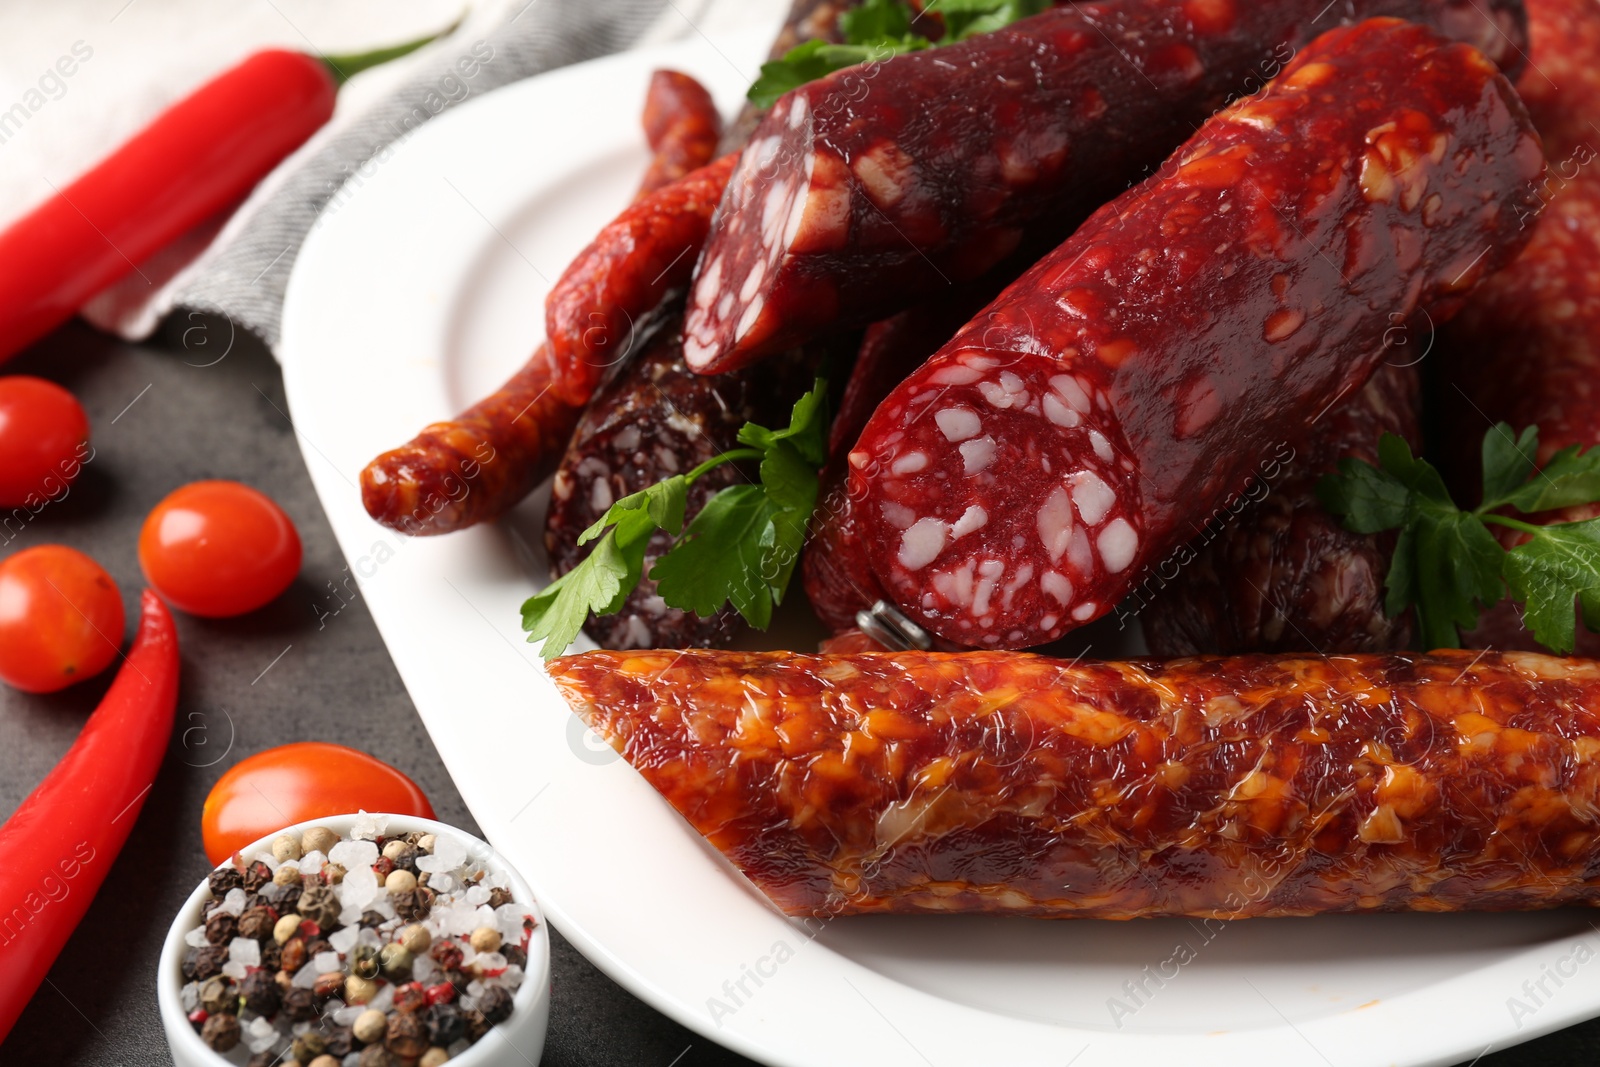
(1012, 783)
(1020, 482)
(868, 189)
(682, 126)
(1280, 574)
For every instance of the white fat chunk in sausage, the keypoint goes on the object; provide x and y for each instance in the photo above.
(1117, 543)
(1080, 553)
(1056, 585)
(955, 585)
(958, 424)
(897, 515)
(751, 314)
(922, 542)
(976, 455)
(752, 281)
(989, 574)
(1055, 522)
(600, 494)
(1070, 390)
(974, 518)
(910, 463)
(1102, 447)
(1085, 611)
(1059, 413)
(1092, 495)
(957, 374)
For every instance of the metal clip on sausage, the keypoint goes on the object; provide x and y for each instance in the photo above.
(884, 624)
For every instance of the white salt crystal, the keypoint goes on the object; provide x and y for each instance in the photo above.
(190, 996)
(269, 859)
(422, 968)
(369, 827)
(468, 955)
(348, 1014)
(359, 887)
(382, 998)
(478, 894)
(353, 854)
(383, 907)
(350, 914)
(512, 977)
(369, 936)
(325, 962)
(475, 988)
(451, 851)
(508, 919)
(260, 1034)
(496, 880)
(306, 977)
(234, 902)
(490, 961)
(441, 883)
(196, 938)
(272, 891)
(312, 861)
(246, 951)
(300, 1028)
(468, 1003)
(235, 970)
(344, 939)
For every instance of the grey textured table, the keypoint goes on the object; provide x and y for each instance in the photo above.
(161, 419)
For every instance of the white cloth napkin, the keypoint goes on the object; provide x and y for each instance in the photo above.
(78, 77)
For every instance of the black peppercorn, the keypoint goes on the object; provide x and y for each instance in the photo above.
(447, 954)
(289, 899)
(377, 1056)
(300, 1004)
(499, 897)
(321, 905)
(308, 1046)
(271, 956)
(316, 946)
(255, 876)
(219, 995)
(516, 955)
(341, 1042)
(261, 992)
(256, 923)
(373, 919)
(405, 857)
(412, 905)
(477, 1025)
(444, 1024)
(223, 879)
(203, 962)
(407, 1037)
(221, 1032)
(495, 1004)
(221, 927)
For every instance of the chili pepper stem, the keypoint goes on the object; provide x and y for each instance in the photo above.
(346, 65)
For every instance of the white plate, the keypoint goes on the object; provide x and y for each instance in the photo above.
(424, 289)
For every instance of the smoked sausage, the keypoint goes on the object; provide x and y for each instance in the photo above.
(1227, 787)
(1020, 483)
(682, 126)
(880, 184)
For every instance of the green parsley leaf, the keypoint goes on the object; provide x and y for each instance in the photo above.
(720, 558)
(1556, 566)
(1369, 498)
(1508, 459)
(968, 18)
(1570, 478)
(876, 20)
(599, 584)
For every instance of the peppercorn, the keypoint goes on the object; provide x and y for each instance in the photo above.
(289, 899)
(359, 990)
(403, 854)
(203, 962)
(326, 1060)
(406, 1037)
(219, 995)
(516, 956)
(434, 1057)
(409, 904)
(499, 897)
(286, 847)
(383, 866)
(422, 878)
(495, 1004)
(363, 960)
(400, 881)
(321, 905)
(294, 954)
(332, 873)
(317, 839)
(257, 923)
(410, 997)
(271, 956)
(328, 984)
(300, 1004)
(223, 879)
(317, 946)
(341, 1042)
(261, 993)
(477, 1025)
(308, 1046)
(426, 842)
(285, 876)
(485, 939)
(370, 1026)
(285, 927)
(442, 993)
(221, 1032)
(447, 954)
(221, 926)
(446, 1024)
(255, 876)
(415, 938)
(395, 961)
(377, 1056)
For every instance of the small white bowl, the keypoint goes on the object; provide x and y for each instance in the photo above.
(517, 1042)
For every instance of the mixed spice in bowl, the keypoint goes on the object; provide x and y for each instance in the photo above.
(358, 941)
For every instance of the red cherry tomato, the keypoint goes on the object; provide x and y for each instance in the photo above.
(44, 440)
(264, 793)
(218, 549)
(60, 618)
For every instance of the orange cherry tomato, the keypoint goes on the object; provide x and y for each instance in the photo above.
(44, 441)
(262, 794)
(218, 549)
(60, 618)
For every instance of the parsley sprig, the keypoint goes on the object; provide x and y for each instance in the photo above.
(741, 548)
(878, 29)
(1448, 566)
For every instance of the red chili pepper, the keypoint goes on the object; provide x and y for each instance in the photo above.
(59, 844)
(201, 155)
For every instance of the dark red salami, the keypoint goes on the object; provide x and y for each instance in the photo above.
(869, 189)
(808, 20)
(1017, 784)
(681, 124)
(1527, 349)
(655, 420)
(1283, 575)
(1019, 484)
